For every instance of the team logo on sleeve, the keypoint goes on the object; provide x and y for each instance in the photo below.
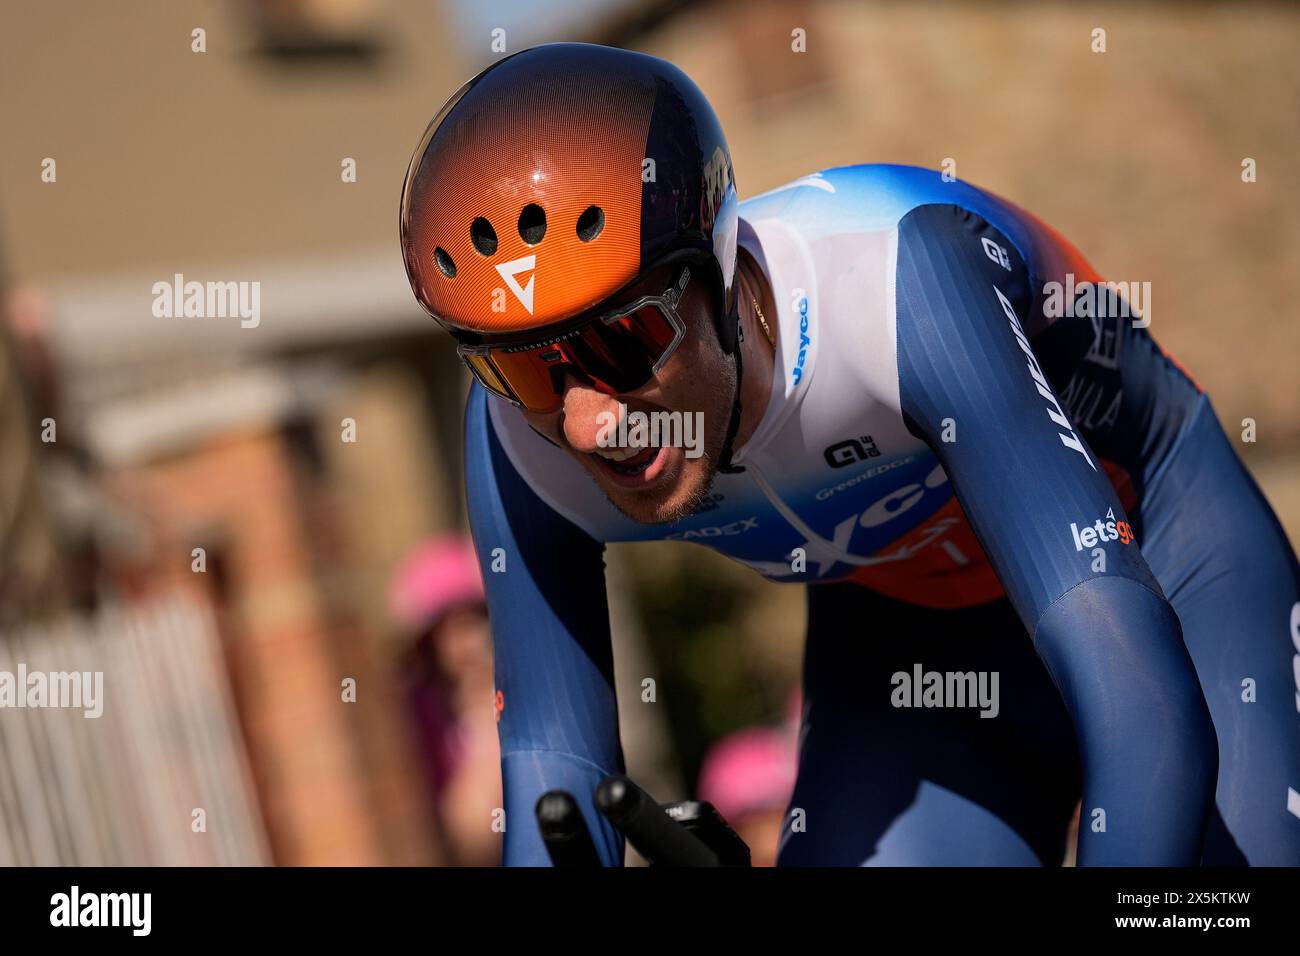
(996, 253)
(1068, 438)
(1102, 530)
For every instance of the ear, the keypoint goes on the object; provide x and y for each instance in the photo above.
(726, 321)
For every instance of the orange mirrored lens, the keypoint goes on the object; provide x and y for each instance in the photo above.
(533, 377)
(614, 355)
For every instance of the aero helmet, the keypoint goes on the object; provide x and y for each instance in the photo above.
(557, 176)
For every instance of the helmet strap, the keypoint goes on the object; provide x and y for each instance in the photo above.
(726, 467)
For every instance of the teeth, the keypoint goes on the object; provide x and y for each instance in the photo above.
(619, 454)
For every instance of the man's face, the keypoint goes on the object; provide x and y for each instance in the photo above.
(660, 483)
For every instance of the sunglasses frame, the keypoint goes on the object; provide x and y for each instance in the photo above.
(666, 302)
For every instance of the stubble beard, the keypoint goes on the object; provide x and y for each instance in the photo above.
(723, 397)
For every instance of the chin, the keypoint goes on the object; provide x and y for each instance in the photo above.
(678, 499)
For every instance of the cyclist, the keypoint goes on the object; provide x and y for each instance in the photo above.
(898, 410)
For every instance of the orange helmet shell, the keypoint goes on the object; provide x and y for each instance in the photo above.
(568, 129)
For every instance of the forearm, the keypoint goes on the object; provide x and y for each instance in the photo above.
(557, 711)
(527, 774)
(1147, 745)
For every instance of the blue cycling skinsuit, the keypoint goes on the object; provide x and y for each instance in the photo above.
(975, 468)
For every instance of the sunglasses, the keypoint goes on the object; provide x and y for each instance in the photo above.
(615, 352)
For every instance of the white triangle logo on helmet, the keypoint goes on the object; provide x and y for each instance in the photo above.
(509, 270)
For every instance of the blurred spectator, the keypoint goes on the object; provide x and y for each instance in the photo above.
(27, 314)
(32, 582)
(749, 777)
(437, 602)
(96, 536)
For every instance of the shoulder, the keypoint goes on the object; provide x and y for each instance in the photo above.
(873, 195)
(882, 196)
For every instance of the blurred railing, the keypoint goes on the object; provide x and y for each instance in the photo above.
(160, 777)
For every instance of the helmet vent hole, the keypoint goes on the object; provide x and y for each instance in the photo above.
(590, 223)
(483, 236)
(445, 265)
(532, 224)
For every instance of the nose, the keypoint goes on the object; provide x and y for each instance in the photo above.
(588, 414)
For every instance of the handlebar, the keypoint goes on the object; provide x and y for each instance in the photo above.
(687, 833)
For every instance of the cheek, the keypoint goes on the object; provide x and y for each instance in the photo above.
(698, 376)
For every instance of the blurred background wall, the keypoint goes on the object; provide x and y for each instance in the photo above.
(304, 456)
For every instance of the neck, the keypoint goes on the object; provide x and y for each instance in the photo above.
(757, 353)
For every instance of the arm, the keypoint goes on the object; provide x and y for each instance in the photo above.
(1034, 494)
(550, 629)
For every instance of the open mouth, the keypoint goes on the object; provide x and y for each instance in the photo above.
(630, 466)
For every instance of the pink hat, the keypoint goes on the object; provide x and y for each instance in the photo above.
(434, 577)
(749, 770)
